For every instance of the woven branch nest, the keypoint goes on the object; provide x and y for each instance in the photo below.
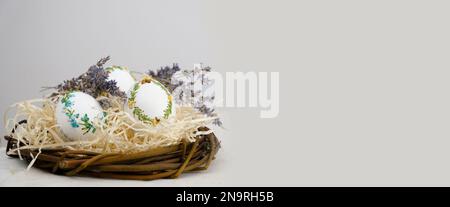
(164, 162)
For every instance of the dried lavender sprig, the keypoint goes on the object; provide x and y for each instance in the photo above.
(187, 94)
(93, 82)
(164, 75)
(211, 113)
(102, 61)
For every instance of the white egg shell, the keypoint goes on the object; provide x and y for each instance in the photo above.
(152, 100)
(76, 114)
(124, 80)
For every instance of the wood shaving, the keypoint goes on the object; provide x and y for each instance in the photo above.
(117, 132)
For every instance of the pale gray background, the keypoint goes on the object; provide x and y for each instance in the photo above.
(364, 84)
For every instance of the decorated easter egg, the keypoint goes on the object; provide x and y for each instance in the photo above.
(150, 101)
(121, 75)
(76, 113)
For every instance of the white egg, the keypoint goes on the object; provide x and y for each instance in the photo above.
(124, 80)
(76, 113)
(150, 101)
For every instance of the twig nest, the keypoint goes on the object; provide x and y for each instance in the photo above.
(76, 113)
(150, 101)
